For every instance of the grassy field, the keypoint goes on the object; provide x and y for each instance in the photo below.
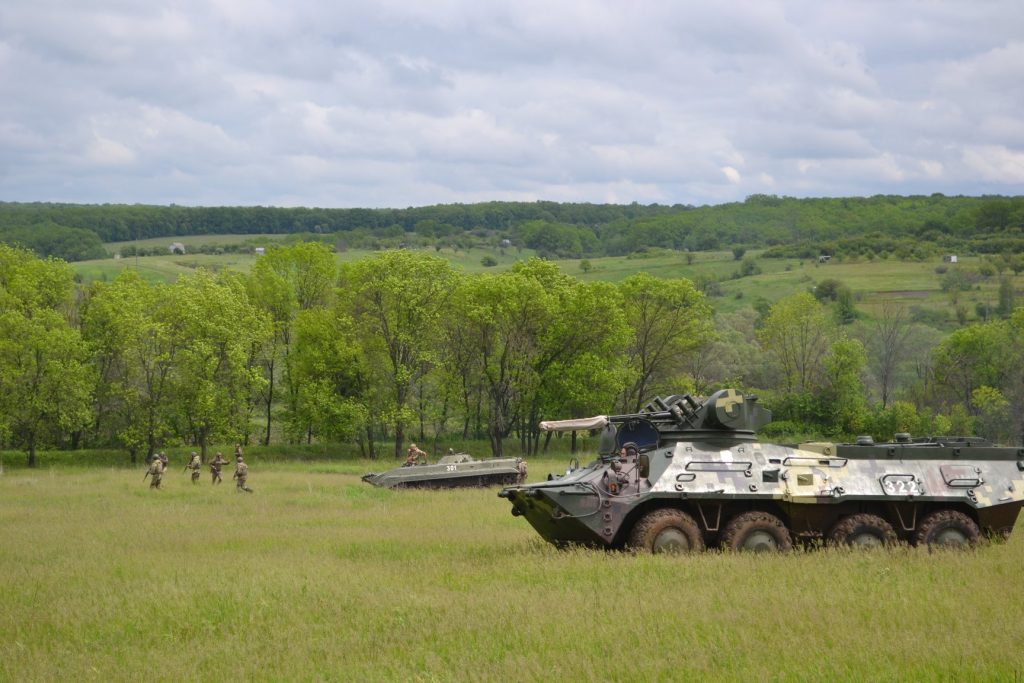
(911, 283)
(319, 576)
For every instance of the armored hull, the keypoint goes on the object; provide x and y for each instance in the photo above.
(453, 471)
(684, 475)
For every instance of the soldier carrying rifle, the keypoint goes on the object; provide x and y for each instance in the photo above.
(215, 466)
(155, 472)
(194, 464)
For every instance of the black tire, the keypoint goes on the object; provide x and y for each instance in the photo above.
(947, 529)
(757, 532)
(666, 530)
(863, 531)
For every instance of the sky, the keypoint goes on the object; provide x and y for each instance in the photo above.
(395, 103)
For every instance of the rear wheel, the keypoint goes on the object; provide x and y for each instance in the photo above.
(666, 531)
(757, 532)
(863, 531)
(947, 528)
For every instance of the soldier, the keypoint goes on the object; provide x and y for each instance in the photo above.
(155, 472)
(241, 474)
(238, 450)
(413, 456)
(215, 466)
(194, 464)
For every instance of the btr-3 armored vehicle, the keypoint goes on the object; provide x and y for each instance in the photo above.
(683, 475)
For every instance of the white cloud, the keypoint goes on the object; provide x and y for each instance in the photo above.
(396, 103)
(996, 163)
(106, 152)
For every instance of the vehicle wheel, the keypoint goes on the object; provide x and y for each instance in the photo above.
(666, 531)
(947, 528)
(757, 532)
(863, 531)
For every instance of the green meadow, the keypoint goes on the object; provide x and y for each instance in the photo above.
(317, 576)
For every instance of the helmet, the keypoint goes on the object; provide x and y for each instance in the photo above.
(238, 457)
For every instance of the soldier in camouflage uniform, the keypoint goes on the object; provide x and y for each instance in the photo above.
(241, 474)
(215, 466)
(155, 473)
(413, 456)
(194, 464)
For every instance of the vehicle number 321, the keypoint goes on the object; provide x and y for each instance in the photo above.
(901, 485)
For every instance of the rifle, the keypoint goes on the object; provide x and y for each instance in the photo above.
(145, 475)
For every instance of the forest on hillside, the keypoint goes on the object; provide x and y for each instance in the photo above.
(909, 227)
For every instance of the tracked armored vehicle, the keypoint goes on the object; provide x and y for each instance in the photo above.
(683, 475)
(453, 470)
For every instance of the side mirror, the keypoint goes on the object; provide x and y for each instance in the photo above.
(644, 463)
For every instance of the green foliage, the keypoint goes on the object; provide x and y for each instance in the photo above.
(670, 320)
(49, 239)
(46, 382)
(488, 261)
(844, 395)
(828, 289)
(1007, 298)
(396, 301)
(798, 333)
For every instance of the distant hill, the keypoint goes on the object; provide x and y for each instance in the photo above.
(909, 227)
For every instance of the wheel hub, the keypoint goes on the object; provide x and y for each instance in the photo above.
(866, 539)
(951, 537)
(759, 542)
(671, 541)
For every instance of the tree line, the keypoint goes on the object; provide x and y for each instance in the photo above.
(911, 226)
(401, 345)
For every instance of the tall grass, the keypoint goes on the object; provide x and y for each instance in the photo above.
(319, 576)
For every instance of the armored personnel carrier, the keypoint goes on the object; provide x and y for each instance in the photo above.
(452, 470)
(683, 475)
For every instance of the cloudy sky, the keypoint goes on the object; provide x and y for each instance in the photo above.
(395, 103)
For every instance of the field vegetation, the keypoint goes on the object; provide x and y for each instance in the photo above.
(319, 576)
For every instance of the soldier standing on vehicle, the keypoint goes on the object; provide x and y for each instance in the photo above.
(413, 456)
(155, 473)
(194, 464)
(215, 466)
(241, 474)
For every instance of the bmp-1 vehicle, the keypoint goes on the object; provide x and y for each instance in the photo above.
(683, 474)
(453, 470)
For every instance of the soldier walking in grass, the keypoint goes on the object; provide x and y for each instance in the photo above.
(155, 473)
(194, 464)
(241, 474)
(215, 466)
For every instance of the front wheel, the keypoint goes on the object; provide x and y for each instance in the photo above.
(666, 531)
(947, 528)
(756, 531)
